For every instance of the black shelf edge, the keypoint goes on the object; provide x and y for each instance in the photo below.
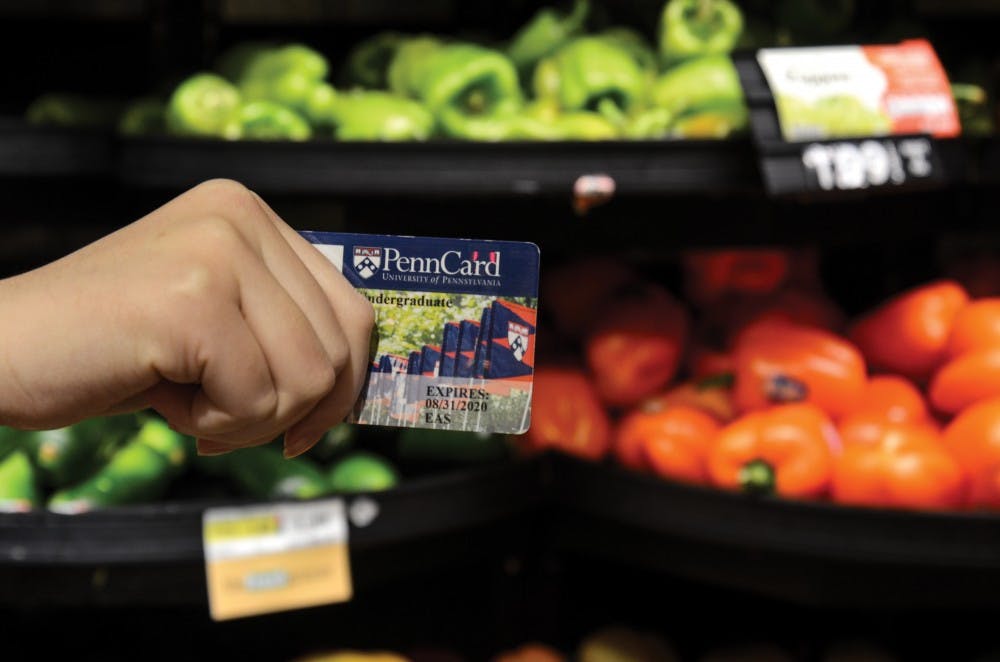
(442, 168)
(171, 532)
(811, 529)
(27, 151)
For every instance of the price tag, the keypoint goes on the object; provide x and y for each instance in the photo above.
(848, 118)
(849, 166)
(263, 559)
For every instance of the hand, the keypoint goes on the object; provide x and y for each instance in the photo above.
(211, 310)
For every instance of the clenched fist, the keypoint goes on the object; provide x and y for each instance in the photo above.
(211, 310)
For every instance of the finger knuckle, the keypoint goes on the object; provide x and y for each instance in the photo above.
(264, 407)
(322, 380)
(364, 314)
(234, 202)
(226, 191)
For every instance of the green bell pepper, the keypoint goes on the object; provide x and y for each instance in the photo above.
(409, 64)
(67, 455)
(338, 440)
(262, 472)
(72, 111)
(267, 120)
(466, 87)
(142, 117)
(585, 125)
(546, 32)
(18, 484)
(367, 64)
(293, 76)
(139, 471)
(362, 472)
(235, 60)
(973, 109)
(380, 116)
(689, 28)
(698, 83)
(591, 74)
(649, 124)
(205, 105)
(712, 123)
(10, 440)
(633, 43)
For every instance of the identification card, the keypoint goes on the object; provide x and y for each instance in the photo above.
(454, 347)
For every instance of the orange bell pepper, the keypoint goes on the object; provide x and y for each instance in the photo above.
(909, 333)
(963, 381)
(867, 428)
(907, 467)
(786, 450)
(712, 395)
(974, 440)
(893, 399)
(977, 326)
(566, 415)
(636, 349)
(672, 441)
(778, 362)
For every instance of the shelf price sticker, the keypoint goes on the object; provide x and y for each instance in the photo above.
(849, 118)
(267, 558)
(850, 166)
(859, 91)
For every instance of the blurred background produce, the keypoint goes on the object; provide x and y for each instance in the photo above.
(568, 73)
(767, 424)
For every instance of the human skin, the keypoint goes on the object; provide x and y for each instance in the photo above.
(211, 310)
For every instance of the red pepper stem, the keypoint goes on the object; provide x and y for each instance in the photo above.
(757, 477)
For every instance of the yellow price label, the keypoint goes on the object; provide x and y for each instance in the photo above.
(235, 529)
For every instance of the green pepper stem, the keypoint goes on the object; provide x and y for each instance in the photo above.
(705, 10)
(577, 16)
(610, 110)
(757, 477)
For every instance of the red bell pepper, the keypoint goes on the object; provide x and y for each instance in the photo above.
(972, 377)
(635, 350)
(974, 439)
(566, 415)
(976, 327)
(909, 333)
(906, 467)
(779, 362)
(786, 450)
(673, 441)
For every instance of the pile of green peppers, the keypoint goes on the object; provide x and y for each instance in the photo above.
(130, 459)
(557, 77)
(553, 79)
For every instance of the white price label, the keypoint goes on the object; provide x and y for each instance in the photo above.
(848, 166)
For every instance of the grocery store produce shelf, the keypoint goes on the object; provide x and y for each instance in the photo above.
(808, 552)
(27, 151)
(812, 553)
(171, 531)
(442, 168)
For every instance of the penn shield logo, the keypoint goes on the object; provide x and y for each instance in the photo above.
(367, 260)
(517, 338)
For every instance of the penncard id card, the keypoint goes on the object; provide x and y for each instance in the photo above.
(454, 343)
